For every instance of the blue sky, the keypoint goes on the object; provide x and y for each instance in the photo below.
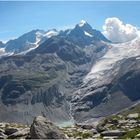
(17, 18)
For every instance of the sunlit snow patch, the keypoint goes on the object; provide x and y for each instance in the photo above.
(51, 33)
(88, 34)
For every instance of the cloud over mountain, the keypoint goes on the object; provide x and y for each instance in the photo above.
(116, 31)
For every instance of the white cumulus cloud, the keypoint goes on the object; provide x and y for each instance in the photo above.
(116, 31)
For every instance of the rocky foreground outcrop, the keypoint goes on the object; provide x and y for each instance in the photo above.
(44, 129)
(14, 131)
(114, 127)
(41, 128)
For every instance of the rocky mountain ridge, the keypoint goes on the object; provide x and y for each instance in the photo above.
(75, 75)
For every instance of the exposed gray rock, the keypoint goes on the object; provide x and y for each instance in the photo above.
(2, 135)
(110, 138)
(87, 127)
(137, 136)
(1, 130)
(21, 133)
(101, 126)
(113, 121)
(132, 122)
(44, 129)
(123, 122)
(9, 131)
(113, 133)
(96, 136)
(100, 129)
(133, 116)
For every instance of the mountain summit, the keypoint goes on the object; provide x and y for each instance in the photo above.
(84, 26)
(82, 23)
(83, 34)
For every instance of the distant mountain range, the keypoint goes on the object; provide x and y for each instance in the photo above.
(33, 39)
(71, 75)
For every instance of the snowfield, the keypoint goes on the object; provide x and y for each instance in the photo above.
(115, 53)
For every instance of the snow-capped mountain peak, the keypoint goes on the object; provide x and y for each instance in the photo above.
(28, 41)
(82, 23)
(84, 33)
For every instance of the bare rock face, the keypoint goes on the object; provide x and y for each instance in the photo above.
(19, 134)
(133, 116)
(44, 129)
(9, 131)
(113, 133)
(2, 135)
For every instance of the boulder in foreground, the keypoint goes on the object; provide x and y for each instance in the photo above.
(113, 133)
(44, 129)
